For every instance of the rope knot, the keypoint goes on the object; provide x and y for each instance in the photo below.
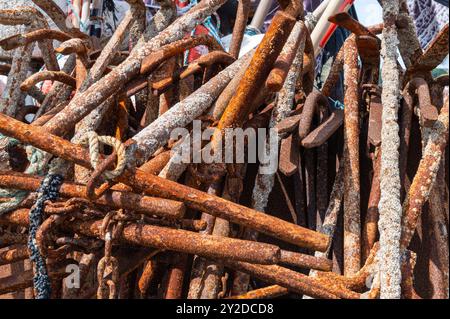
(93, 140)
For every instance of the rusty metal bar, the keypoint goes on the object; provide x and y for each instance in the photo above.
(19, 40)
(335, 71)
(211, 58)
(153, 185)
(58, 76)
(352, 223)
(240, 23)
(56, 14)
(428, 112)
(13, 254)
(370, 227)
(83, 104)
(291, 280)
(325, 130)
(184, 112)
(305, 261)
(257, 71)
(114, 199)
(281, 67)
(425, 176)
(314, 103)
(269, 292)
(150, 62)
(436, 51)
(8, 239)
(171, 239)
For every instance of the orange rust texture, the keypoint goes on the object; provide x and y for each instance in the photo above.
(4, 69)
(83, 104)
(213, 272)
(157, 163)
(309, 62)
(9, 271)
(407, 285)
(122, 119)
(439, 254)
(425, 176)
(305, 261)
(114, 199)
(357, 281)
(407, 111)
(24, 279)
(408, 42)
(370, 228)
(59, 76)
(376, 28)
(18, 40)
(75, 45)
(335, 70)
(175, 278)
(171, 239)
(209, 59)
(294, 281)
(352, 224)
(109, 52)
(180, 74)
(13, 98)
(152, 61)
(9, 238)
(428, 112)
(146, 276)
(367, 43)
(156, 186)
(269, 292)
(166, 97)
(14, 254)
(227, 94)
(243, 11)
(260, 65)
(80, 72)
(58, 93)
(277, 76)
(37, 20)
(345, 20)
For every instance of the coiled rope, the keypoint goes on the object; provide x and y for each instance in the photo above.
(38, 161)
(93, 140)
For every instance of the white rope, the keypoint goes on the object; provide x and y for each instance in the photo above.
(93, 140)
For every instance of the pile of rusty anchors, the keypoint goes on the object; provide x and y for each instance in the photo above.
(357, 206)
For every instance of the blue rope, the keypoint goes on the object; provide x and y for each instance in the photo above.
(48, 190)
(334, 103)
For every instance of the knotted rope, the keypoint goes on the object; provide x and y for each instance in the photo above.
(93, 140)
